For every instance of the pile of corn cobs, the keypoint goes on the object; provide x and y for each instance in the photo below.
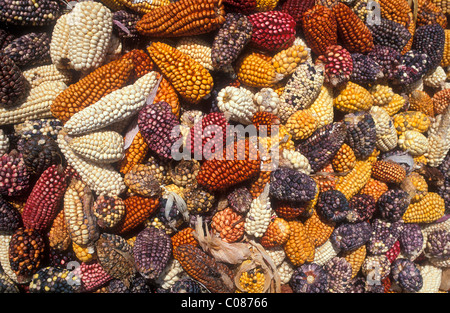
(354, 111)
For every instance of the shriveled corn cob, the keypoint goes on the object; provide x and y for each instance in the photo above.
(414, 142)
(352, 98)
(298, 248)
(183, 18)
(35, 106)
(255, 70)
(436, 79)
(439, 143)
(354, 181)
(102, 179)
(116, 106)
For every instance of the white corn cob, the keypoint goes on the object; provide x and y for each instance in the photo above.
(114, 107)
(435, 79)
(5, 238)
(277, 254)
(414, 142)
(324, 253)
(114, 49)
(45, 73)
(100, 146)
(172, 273)
(58, 44)
(285, 271)
(267, 100)
(431, 276)
(296, 160)
(438, 139)
(103, 179)
(322, 108)
(35, 106)
(259, 216)
(4, 142)
(238, 102)
(387, 138)
(198, 49)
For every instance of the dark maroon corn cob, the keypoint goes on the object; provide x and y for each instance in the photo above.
(44, 201)
(10, 218)
(430, 40)
(240, 200)
(339, 272)
(14, 176)
(240, 6)
(392, 204)
(361, 133)
(27, 13)
(350, 236)
(26, 253)
(13, 85)
(40, 152)
(287, 184)
(5, 38)
(156, 122)
(309, 278)
(388, 58)
(152, 251)
(365, 69)
(30, 49)
(384, 235)
(333, 206)
(323, 145)
(407, 275)
(361, 208)
(390, 34)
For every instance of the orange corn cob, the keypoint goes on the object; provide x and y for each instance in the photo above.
(298, 248)
(137, 210)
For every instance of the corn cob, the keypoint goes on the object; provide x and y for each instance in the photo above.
(255, 69)
(109, 110)
(137, 210)
(344, 160)
(352, 98)
(228, 224)
(354, 34)
(411, 120)
(92, 276)
(4, 142)
(277, 233)
(92, 88)
(139, 180)
(301, 124)
(339, 272)
(100, 179)
(430, 40)
(287, 60)
(440, 101)
(258, 183)
(143, 7)
(183, 18)
(362, 207)
(437, 139)
(272, 30)
(171, 277)
(361, 133)
(58, 235)
(115, 256)
(296, 9)
(397, 103)
(28, 13)
(427, 210)
(354, 181)
(298, 247)
(14, 86)
(391, 34)
(10, 217)
(432, 278)
(134, 154)
(435, 79)
(215, 276)
(7, 284)
(414, 142)
(350, 236)
(29, 49)
(240, 6)
(412, 241)
(43, 202)
(259, 216)
(325, 252)
(388, 172)
(320, 28)
(238, 102)
(309, 278)
(13, 166)
(406, 275)
(422, 102)
(296, 160)
(198, 49)
(35, 106)
(318, 229)
(365, 69)
(26, 252)
(322, 107)
(44, 73)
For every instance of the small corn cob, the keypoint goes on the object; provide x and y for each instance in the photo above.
(14, 175)
(338, 65)
(318, 229)
(228, 224)
(14, 85)
(4, 142)
(354, 181)
(43, 202)
(137, 210)
(389, 60)
(352, 98)
(29, 49)
(91, 88)
(354, 34)
(392, 205)
(102, 179)
(259, 216)
(361, 133)
(362, 207)
(333, 206)
(58, 235)
(277, 233)
(78, 215)
(182, 18)
(134, 154)
(199, 200)
(320, 28)
(344, 160)
(427, 210)
(10, 217)
(309, 278)
(108, 210)
(255, 69)
(36, 105)
(299, 248)
(382, 94)
(215, 276)
(238, 102)
(365, 69)
(140, 180)
(439, 145)
(324, 253)
(272, 30)
(26, 252)
(414, 142)
(92, 276)
(397, 103)
(252, 280)
(26, 13)
(322, 107)
(304, 86)
(384, 235)
(189, 78)
(440, 101)
(296, 160)
(53, 280)
(420, 101)
(287, 184)
(388, 172)
(115, 256)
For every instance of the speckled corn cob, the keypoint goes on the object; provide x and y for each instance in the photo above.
(84, 52)
(238, 102)
(80, 221)
(43, 202)
(183, 18)
(361, 133)
(137, 210)
(255, 69)
(354, 181)
(352, 98)
(58, 235)
(354, 34)
(320, 28)
(115, 255)
(26, 252)
(298, 248)
(339, 272)
(216, 277)
(29, 49)
(29, 13)
(304, 85)
(411, 120)
(140, 180)
(102, 179)
(35, 106)
(114, 107)
(191, 80)
(365, 69)
(427, 210)
(14, 178)
(258, 217)
(91, 88)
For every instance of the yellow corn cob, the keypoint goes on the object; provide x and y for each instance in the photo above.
(253, 280)
(414, 142)
(114, 5)
(381, 94)
(416, 185)
(288, 59)
(446, 56)
(255, 70)
(352, 98)
(344, 160)
(266, 5)
(395, 105)
(322, 108)
(82, 253)
(387, 138)
(192, 81)
(143, 6)
(356, 258)
(427, 210)
(298, 248)
(301, 124)
(355, 180)
(411, 120)
(318, 229)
